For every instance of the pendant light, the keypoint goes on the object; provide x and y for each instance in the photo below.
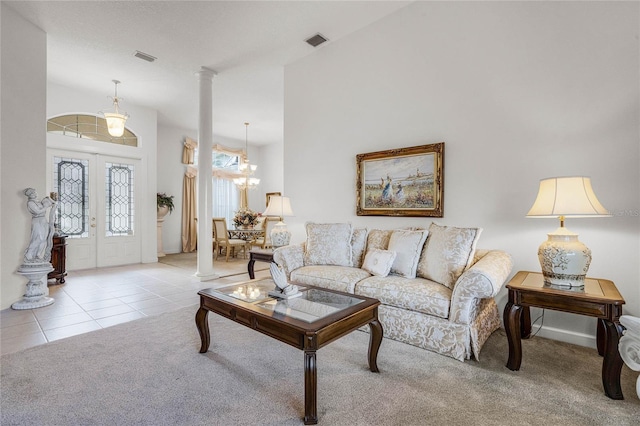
(115, 120)
(246, 168)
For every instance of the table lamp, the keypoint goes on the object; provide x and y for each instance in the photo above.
(565, 260)
(279, 206)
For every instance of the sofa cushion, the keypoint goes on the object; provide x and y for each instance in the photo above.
(378, 262)
(415, 294)
(358, 246)
(378, 239)
(328, 244)
(447, 253)
(408, 246)
(341, 278)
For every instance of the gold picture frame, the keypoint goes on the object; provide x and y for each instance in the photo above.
(269, 194)
(401, 182)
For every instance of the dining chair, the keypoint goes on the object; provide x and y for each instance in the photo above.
(264, 241)
(221, 239)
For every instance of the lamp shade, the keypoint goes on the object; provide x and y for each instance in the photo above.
(567, 196)
(278, 206)
(115, 123)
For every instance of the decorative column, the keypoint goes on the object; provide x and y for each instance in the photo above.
(205, 155)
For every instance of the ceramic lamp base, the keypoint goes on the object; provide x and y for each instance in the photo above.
(564, 260)
(280, 235)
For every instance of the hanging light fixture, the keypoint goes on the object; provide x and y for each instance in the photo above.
(246, 168)
(115, 120)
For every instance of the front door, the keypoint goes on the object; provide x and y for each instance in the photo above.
(97, 199)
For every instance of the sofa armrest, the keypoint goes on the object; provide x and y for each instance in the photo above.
(483, 279)
(289, 257)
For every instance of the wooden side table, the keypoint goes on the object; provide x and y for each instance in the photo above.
(262, 255)
(600, 298)
(58, 259)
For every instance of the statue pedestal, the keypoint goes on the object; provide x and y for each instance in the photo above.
(36, 294)
(162, 212)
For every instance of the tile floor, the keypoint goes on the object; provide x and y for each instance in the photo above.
(99, 298)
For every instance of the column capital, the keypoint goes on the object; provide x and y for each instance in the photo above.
(206, 73)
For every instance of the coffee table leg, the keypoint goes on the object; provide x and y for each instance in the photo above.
(612, 363)
(203, 328)
(250, 265)
(310, 388)
(375, 338)
(513, 328)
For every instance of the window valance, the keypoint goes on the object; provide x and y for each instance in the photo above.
(190, 146)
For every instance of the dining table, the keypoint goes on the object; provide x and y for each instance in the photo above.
(248, 234)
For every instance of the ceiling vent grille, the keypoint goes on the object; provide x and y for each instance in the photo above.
(144, 56)
(316, 40)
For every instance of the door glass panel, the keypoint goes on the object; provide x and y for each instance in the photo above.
(71, 180)
(120, 207)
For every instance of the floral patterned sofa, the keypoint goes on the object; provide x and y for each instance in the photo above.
(436, 290)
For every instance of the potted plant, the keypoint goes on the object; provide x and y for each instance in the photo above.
(165, 203)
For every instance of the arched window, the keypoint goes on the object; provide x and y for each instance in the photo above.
(88, 127)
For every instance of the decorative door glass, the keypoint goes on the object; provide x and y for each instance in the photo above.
(71, 177)
(119, 202)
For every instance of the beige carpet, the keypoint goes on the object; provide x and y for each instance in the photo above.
(149, 372)
(235, 265)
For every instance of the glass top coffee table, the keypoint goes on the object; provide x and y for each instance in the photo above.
(309, 322)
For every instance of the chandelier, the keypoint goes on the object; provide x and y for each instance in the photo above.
(115, 120)
(246, 168)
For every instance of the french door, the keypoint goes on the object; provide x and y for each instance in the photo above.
(97, 201)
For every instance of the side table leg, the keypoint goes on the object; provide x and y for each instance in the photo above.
(250, 265)
(310, 388)
(612, 363)
(203, 328)
(600, 337)
(375, 339)
(525, 323)
(513, 328)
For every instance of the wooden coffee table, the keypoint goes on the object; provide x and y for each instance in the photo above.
(309, 322)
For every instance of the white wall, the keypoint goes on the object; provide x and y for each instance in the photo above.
(518, 91)
(170, 179)
(271, 173)
(22, 139)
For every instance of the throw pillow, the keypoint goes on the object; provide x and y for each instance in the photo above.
(449, 251)
(378, 262)
(408, 246)
(358, 245)
(378, 239)
(328, 244)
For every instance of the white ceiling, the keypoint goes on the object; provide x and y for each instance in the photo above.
(248, 43)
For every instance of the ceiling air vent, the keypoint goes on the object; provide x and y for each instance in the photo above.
(316, 40)
(144, 56)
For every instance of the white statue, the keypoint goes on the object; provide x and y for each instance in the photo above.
(284, 289)
(42, 230)
(629, 345)
(37, 257)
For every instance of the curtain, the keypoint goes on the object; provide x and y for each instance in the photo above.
(189, 211)
(188, 151)
(225, 199)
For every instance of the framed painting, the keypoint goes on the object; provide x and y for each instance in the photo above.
(269, 194)
(401, 182)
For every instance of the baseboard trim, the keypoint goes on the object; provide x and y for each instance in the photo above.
(572, 337)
